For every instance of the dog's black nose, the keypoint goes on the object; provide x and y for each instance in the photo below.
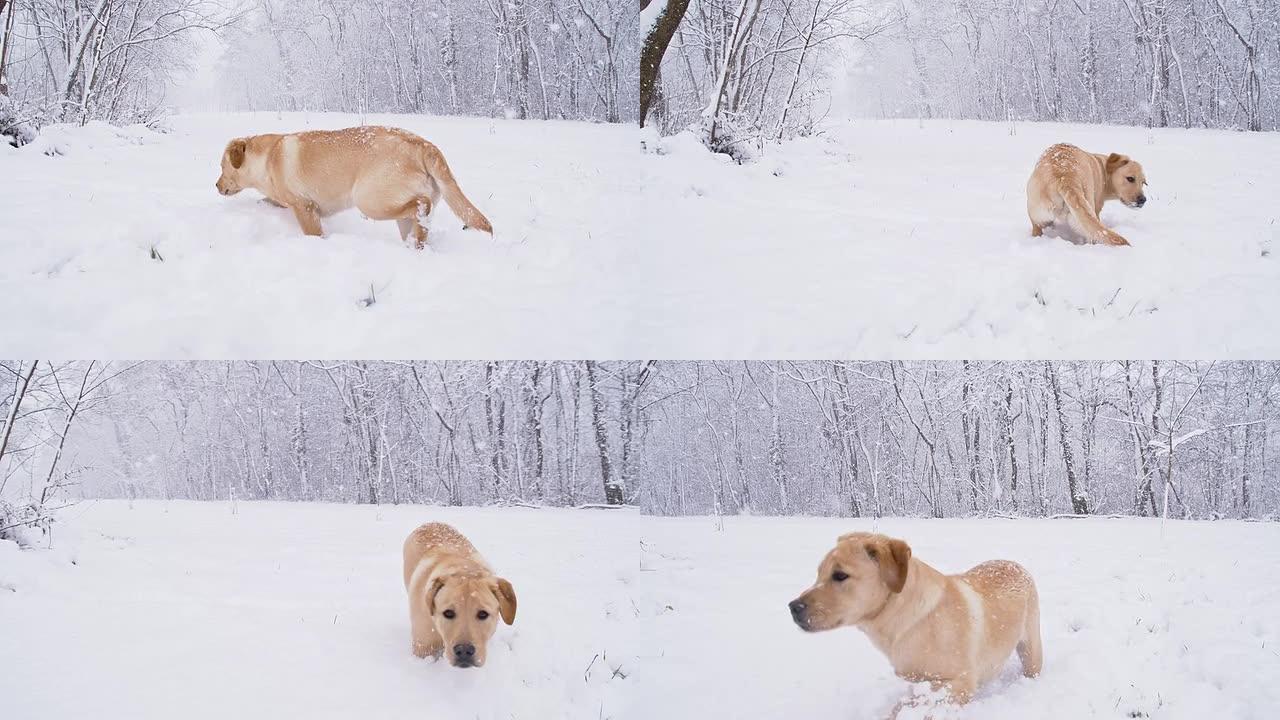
(464, 651)
(1142, 200)
(797, 608)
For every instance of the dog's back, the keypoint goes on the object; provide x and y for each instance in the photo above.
(434, 544)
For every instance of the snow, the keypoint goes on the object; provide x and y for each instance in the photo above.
(901, 239)
(909, 239)
(297, 610)
(83, 208)
(649, 16)
(156, 609)
(1134, 625)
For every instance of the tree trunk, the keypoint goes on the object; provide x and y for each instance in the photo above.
(613, 494)
(18, 394)
(655, 46)
(1079, 502)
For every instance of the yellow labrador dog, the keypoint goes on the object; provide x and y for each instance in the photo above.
(387, 173)
(454, 598)
(954, 631)
(1070, 185)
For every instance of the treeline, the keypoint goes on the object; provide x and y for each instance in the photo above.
(1159, 63)
(372, 432)
(742, 73)
(81, 60)
(938, 439)
(544, 59)
(947, 439)
(116, 60)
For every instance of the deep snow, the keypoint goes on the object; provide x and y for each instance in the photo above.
(297, 611)
(1183, 627)
(82, 208)
(909, 239)
(900, 239)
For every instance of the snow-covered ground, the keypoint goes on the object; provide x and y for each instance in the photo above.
(184, 609)
(880, 239)
(910, 239)
(1183, 627)
(81, 210)
(297, 611)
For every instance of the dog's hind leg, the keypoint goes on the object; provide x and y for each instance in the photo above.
(410, 217)
(416, 221)
(1084, 220)
(1029, 649)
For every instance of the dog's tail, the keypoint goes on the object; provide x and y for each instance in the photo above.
(1086, 221)
(439, 171)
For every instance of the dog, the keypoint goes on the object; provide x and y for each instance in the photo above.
(454, 598)
(953, 631)
(1070, 185)
(387, 173)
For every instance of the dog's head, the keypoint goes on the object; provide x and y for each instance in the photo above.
(1126, 179)
(466, 611)
(230, 181)
(855, 580)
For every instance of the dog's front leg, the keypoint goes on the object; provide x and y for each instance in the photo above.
(941, 695)
(426, 641)
(308, 218)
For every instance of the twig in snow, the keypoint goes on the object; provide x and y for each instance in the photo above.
(1114, 295)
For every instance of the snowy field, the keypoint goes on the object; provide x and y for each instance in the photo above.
(881, 239)
(1135, 626)
(298, 611)
(906, 239)
(81, 210)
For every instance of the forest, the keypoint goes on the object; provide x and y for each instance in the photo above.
(928, 439)
(115, 60)
(745, 72)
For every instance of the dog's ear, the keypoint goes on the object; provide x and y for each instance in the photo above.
(1115, 160)
(894, 558)
(432, 591)
(235, 152)
(506, 601)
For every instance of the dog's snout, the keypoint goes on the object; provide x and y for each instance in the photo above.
(1142, 200)
(797, 608)
(464, 651)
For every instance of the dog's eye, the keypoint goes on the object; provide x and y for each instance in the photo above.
(1130, 178)
(839, 576)
(449, 614)
(483, 614)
